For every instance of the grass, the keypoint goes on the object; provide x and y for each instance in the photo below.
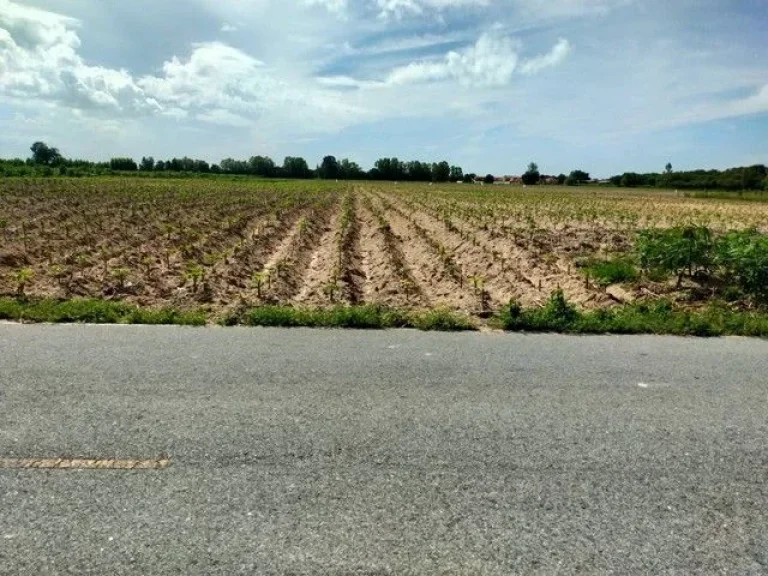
(93, 311)
(611, 271)
(365, 316)
(558, 315)
(659, 317)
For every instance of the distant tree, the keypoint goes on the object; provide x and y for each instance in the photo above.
(261, 166)
(489, 179)
(579, 176)
(159, 166)
(418, 171)
(668, 168)
(456, 174)
(571, 181)
(296, 167)
(349, 170)
(147, 164)
(441, 171)
(46, 155)
(329, 169)
(632, 180)
(124, 164)
(561, 179)
(765, 183)
(389, 169)
(469, 178)
(531, 175)
(231, 166)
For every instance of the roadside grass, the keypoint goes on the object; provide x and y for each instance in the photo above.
(365, 316)
(558, 315)
(660, 317)
(93, 311)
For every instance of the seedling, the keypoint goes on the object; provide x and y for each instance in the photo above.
(258, 280)
(23, 277)
(195, 273)
(121, 275)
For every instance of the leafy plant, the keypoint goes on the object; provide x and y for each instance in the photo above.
(22, 278)
(676, 250)
(196, 273)
(121, 275)
(743, 257)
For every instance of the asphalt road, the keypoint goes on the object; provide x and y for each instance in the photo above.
(347, 452)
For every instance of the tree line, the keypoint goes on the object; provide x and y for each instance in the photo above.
(742, 178)
(48, 161)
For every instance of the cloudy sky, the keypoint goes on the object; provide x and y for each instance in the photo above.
(603, 85)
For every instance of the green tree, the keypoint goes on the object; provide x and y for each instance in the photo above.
(329, 169)
(296, 167)
(489, 179)
(46, 155)
(561, 179)
(147, 164)
(579, 176)
(531, 175)
(261, 166)
(457, 174)
(668, 168)
(126, 164)
(349, 170)
(441, 171)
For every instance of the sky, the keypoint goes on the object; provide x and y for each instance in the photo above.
(606, 86)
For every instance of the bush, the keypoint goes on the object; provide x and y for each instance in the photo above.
(676, 250)
(743, 259)
(659, 317)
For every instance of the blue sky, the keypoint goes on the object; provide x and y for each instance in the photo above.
(603, 85)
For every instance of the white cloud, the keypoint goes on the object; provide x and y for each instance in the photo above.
(491, 61)
(554, 57)
(217, 83)
(216, 76)
(223, 118)
(227, 27)
(335, 6)
(39, 59)
(399, 8)
(568, 8)
(753, 104)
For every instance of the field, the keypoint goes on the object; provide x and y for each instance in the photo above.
(226, 246)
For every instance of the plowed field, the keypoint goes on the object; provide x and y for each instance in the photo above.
(225, 244)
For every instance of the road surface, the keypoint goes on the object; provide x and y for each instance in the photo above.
(375, 453)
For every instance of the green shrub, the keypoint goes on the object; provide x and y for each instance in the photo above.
(676, 250)
(743, 258)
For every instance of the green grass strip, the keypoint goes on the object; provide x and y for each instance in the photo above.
(366, 316)
(93, 311)
(653, 318)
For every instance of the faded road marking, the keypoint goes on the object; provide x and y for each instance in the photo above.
(84, 463)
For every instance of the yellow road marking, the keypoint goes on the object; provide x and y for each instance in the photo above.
(85, 463)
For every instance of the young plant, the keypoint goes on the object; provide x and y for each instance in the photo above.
(331, 289)
(120, 275)
(196, 273)
(23, 277)
(258, 280)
